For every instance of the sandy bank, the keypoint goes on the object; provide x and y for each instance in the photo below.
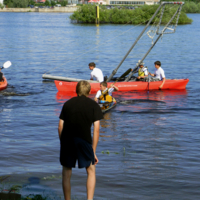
(68, 9)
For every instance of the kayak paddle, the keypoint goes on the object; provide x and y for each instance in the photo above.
(6, 64)
(122, 76)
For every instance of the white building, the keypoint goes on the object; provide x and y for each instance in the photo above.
(133, 2)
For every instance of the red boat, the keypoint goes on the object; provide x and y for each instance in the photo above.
(170, 84)
(3, 84)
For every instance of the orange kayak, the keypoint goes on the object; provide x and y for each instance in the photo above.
(170, 84)
(3, 84)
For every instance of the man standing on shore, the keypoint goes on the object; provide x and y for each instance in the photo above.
(74, 129)
(96, 72)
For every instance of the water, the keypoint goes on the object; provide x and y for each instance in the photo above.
(149, 144)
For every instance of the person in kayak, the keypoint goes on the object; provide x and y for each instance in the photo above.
(142, 72)
(74, 130)
(105, 93)
(159, 74)
(1, 75)
(96, 72)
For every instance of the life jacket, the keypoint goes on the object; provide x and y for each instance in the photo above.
(106, 97)
(141, 72)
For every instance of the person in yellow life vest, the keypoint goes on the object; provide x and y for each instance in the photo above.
(142, 72)
(105, 93)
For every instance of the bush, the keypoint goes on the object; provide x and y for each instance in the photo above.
(64, 3)
(1, 6)
(191, 7)
(87, 14)
(16, 3)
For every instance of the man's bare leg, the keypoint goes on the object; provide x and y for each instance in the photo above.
(91, 181)
(66, 176)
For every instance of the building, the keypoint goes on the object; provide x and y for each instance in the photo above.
(40, 1)
(132, 2)
(108, 2)
(119, 2)
(97, 2)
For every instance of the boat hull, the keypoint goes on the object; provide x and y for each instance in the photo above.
(171, 84)
(111, 105)
(3, 84)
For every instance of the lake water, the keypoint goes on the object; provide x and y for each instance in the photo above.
(149, 145)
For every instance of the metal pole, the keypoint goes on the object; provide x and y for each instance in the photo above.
(97, 14)
(162, 32)
(115, 70)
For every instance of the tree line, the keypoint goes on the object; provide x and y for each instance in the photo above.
(26, 3)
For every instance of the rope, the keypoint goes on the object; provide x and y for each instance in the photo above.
(154, 27)
(106, 42)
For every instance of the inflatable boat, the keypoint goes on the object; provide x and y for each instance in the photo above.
(170, 84)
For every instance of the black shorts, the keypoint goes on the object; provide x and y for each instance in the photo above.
(76, 149)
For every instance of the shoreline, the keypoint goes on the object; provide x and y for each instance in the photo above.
(68, 9)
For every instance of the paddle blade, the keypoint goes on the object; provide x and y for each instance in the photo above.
(7, 64)
(125, 74)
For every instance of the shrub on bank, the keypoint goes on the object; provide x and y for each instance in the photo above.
(16, 3)
(87, 14)
(191, 7)
(1, 6)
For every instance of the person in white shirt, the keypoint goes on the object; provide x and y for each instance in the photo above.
(159, 73)
(96, 72)
(104, 93)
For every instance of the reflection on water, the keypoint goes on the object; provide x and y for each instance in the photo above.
(149, 143)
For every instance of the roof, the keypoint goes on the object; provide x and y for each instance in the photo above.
(95, 1)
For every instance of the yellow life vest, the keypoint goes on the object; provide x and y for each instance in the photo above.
(140, 72)
(106, 97)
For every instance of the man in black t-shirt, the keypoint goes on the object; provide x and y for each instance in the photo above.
(76, 118)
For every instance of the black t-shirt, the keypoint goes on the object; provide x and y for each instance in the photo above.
(1, 76)
(78, 114)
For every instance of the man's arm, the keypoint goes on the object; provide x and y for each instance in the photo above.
(115, 87)
(95, 98)
(96, 138)
(163, 81)
(151, 74)
(60, 127)
(91, 76)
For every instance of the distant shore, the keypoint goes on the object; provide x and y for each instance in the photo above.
(67, 9)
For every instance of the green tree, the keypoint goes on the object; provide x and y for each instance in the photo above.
(16, 3)
(53, 3)
(6, 2)
(63, 3)
(87, 14)
(1, 6)
(20, 3)
(31, 2)
(47, 3)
